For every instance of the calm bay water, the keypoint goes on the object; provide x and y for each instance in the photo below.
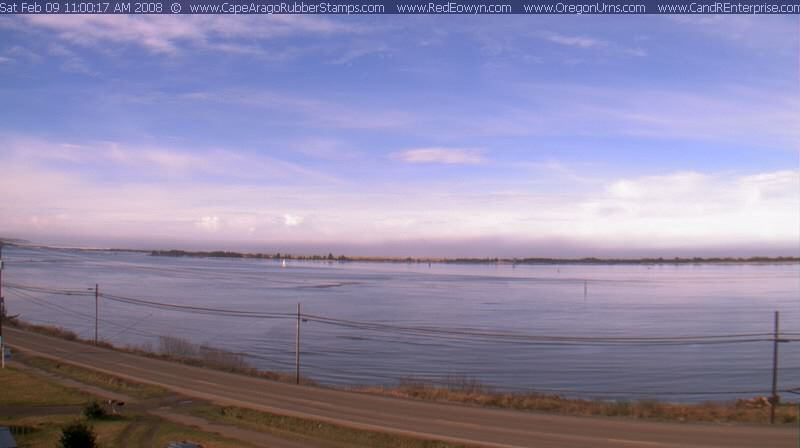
(621, 301)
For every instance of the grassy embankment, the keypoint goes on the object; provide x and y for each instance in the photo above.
(175, 350)
(36, 409)
(470, 392)
(310, 430)
(461, 390)
(143, 430)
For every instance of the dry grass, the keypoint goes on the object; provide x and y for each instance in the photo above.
(19, 388)
(48, 330)
(472, 392)
(181, 350)
(174, 349)
(311, 431)
(41, 426)
(95, 378)
(463, 390)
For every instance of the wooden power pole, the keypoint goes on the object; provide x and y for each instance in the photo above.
(297, 349)
(96, 310)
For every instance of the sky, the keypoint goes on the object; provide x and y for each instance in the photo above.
(475, 136)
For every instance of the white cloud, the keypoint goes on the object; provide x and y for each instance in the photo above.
(292, 220)
(208, 223)
(690, 208)
(679, 209)
(448, 156)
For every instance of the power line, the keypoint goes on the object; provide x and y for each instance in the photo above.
(45, 304)
(441, 333)
(655, 340)
(196, 309)
(42, 289)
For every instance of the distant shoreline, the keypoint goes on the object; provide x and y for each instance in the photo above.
(513, 261)
(504, 261)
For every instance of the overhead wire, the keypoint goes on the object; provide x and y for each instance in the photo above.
(422, 331)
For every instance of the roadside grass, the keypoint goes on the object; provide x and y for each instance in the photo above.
(312, 430)
(471, 392)
(18, 388)
(94, 378)
(134, 430)
(36, 431)
(456, 390)
(174, 349)
(41, 427)
(168, 432)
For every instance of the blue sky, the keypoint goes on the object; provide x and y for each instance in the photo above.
(424, 135)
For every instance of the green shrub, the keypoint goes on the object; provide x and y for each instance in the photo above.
(77, 434)
(94, 411)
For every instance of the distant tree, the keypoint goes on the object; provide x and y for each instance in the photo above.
(77, 434)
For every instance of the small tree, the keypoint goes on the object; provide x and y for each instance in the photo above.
(94, 411)
(77, 434)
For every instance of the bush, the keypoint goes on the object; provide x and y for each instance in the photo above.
(77, 434)
(94, 411)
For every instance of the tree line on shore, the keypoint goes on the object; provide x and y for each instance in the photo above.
(462, 260)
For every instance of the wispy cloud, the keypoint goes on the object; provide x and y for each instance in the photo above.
(71, 61)
(152, 162)
(594, 43)
(19, 51)
(166, 34)
(575, 41)
(765, 33)
(315, 111)
(447, 156)
(726, 114)
(362, 49)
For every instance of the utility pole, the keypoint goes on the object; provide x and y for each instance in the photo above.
(96, 315)
(297, 349)
(774, 399)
